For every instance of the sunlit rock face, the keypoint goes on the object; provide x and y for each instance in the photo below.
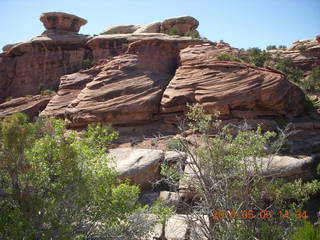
(59, 21)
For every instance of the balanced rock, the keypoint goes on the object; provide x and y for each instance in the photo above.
(60, 21)
(182, 24)
(318, 38)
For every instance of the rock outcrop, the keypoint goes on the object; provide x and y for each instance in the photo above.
(29, 67)
(30, 105)
(182, 24)
(60, 22)
(141, 166)
(231, 88)
(178, 25)
(304, 54)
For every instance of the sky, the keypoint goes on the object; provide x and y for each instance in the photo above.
(242, 23)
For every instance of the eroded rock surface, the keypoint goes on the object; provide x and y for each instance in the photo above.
(142, 166)
(304, 54)
(60, 21)
(30, 105)
(231, 88)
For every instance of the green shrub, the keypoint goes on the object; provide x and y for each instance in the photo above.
(47, 92)
(271, 47)
(193, 34)
(173, 31)
(286, 66)
(58, 186)
(174, 144)
(8, 99)
(257, 57)
(87, 63)
(302, 48)
(224, 56)
(310, 104)
(312, 82)
(307, 232)
(225, 173)
(283, 47)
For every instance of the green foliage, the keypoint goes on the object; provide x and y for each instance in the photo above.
(257, 57)
(87, 63)
(193, 34)
(271, 47)
(283, 47)
(8, 99)
(224, 56)
(162, 211)
(228, 174)
(302, 48)
(310, 103)
(174, 144)
(307, 232)
(172, 31)
(47, 92)
(59, 186)
(286, 66)
(312, 82)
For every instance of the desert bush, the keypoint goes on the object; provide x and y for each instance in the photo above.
(47, 92)
(193, 34)
(302, 48)
(286, 66)
(271, 47)
(55, 185)
(307, 232)
(283, 47)
(174, 144)
(257, 57)
(312, 82)
(224, 56)
(229, 180)
(87, 63)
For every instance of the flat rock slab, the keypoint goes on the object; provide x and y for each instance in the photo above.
(31, 105)
(142, 166)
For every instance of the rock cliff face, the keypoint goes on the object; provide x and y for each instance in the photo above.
(304, 54)
(139, 76)
(155, 78)
(29, 67)
(232, 88)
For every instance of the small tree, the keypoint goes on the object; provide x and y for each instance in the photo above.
(57, 185)
(233, 197)
(257, 57)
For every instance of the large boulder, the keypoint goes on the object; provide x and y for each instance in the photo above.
(304, 54)
(181, 25)
(231, 88)
(276, 166)
(121, 29)
(60, 21)
(141, 166)
(149, 28)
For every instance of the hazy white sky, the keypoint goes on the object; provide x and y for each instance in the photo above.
(242, 23)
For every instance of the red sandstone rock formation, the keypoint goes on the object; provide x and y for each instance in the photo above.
(31, 105)
(232, 88)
